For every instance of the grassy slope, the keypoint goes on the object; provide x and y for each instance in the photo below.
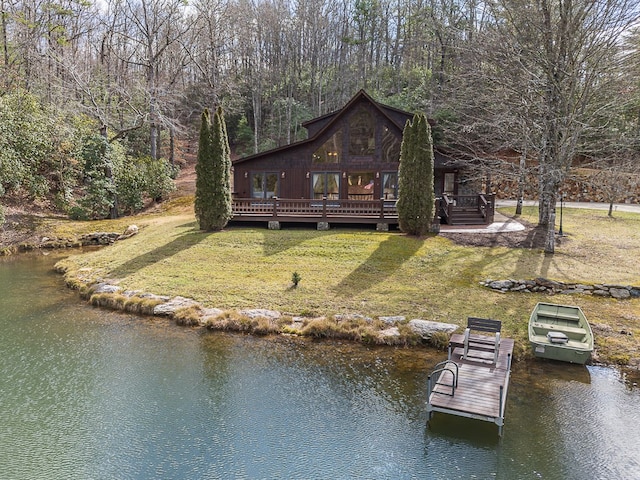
(375, 273)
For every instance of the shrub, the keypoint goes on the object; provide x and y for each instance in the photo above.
(158, 178)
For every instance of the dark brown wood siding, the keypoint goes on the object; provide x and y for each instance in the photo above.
(294, 167)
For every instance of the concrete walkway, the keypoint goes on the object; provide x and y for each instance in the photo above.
(501, 224)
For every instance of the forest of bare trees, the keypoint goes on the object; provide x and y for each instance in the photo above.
(551, 80)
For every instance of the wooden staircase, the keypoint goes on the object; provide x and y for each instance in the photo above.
(466, 209)
(466, 216)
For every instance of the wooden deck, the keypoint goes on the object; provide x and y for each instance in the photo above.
(353, 210)
(323, 210)
(480, 387)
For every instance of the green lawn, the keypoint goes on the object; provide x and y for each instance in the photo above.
(374, 273)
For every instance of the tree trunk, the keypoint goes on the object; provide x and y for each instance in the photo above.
(521, 181)
(172, 145)
(256, 119)
(5, 47)
(550, 241)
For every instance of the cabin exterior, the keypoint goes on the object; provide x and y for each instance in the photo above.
(345, 171)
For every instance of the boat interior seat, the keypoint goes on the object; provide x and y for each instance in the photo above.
(558, 315)
(575, 333)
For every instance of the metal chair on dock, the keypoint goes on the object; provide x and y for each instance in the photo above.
(477, 346)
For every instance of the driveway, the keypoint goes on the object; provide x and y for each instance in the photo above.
(617, 207)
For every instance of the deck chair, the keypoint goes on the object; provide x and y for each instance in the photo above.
(478, 346)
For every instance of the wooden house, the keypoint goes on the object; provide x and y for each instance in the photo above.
(346, 171)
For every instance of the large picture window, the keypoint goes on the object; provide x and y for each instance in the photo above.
(330, 151)
(361, 185)
(390, 186)
(390, 146)
(326, 184)
(264, 185)
(449, 183)
(362, 129)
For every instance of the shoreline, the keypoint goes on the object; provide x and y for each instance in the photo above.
(188, 312)
(615, 349)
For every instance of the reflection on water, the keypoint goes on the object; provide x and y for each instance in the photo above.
(87, 393)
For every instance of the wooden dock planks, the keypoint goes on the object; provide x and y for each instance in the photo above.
(478, 393)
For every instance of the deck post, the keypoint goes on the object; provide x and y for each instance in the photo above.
(382, 207)
(324, 207)
(275, 206)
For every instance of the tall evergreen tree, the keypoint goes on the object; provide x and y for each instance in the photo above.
(213, 174)
(415, 182)
(222, 171)
(204, 173)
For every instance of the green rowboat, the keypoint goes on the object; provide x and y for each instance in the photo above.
(560, 332)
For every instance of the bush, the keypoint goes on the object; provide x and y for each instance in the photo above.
(76, 212)
(158, 178)
(130, 188)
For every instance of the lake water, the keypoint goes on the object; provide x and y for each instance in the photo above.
(92, 394)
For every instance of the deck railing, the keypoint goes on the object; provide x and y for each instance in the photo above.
(327, 209)
(322, 209)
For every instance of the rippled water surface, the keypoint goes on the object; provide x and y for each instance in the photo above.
(90, 394)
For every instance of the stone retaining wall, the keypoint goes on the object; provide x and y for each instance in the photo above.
(543, 285)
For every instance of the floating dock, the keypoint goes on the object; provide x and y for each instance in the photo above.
(473, 388)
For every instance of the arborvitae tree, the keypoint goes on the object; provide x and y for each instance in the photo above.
(213, 172)
(204, 174)
(415, 182)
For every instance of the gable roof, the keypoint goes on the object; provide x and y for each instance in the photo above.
(385, 110)
(395, 116)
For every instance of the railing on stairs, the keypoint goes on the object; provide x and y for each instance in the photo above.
(451, 207)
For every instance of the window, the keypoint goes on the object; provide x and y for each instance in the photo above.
(449, 183)
(361, 185)
(264, 185)
(326, 184)
(330, 151)
(362, 131)
(390, 146)
(390, 186)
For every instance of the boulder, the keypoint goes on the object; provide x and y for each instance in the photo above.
(260, 313)
(620, 293)
(549, 283)
(167, 309)
(426, 328)
(501, 284)
(129, 232)
(106, 288)
(392, 320)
